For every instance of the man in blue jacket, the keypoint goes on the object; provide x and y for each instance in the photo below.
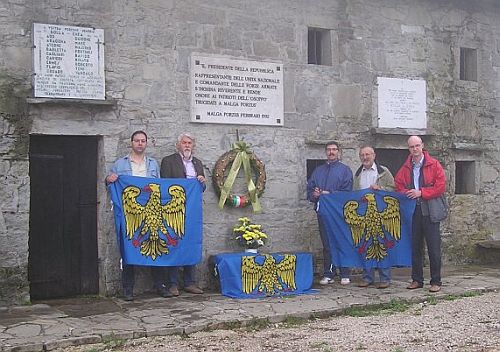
(136, 163)
(333, 176)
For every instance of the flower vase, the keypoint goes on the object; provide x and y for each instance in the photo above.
(251, 250)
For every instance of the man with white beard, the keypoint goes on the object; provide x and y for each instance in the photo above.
(183, 165)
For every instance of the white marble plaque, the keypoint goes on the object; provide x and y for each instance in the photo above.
(68, 62)
(233, 91)
(401, 103)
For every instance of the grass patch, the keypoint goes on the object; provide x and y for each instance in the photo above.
(251, 325)
(451, 297)
(463, 295)
(112, 342)
(321, 345)
(431, 300)
(232, 325)
(472, 294)
(256, 325)
(392, 307)
(291, 321)
(94, 349)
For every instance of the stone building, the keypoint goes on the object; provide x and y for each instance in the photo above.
(332, 52)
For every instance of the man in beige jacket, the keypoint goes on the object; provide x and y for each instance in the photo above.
(377, 177)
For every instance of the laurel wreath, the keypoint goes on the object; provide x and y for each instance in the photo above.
(226, 169)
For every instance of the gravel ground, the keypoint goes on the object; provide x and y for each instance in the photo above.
(464, 324)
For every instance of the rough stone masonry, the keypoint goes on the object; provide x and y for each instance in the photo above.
(148, 45)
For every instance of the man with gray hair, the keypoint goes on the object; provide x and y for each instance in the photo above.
(377, 177)
(183, 164)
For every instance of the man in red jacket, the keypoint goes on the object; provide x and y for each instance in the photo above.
(422, 178)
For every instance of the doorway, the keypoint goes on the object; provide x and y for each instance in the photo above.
(393, 159)
(63, 216)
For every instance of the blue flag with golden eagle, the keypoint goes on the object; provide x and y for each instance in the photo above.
(245, 275)
(158, 220)
(367, 228)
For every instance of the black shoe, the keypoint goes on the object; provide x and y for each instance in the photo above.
(163, 292)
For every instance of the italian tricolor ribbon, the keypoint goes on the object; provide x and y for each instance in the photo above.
(242, 157)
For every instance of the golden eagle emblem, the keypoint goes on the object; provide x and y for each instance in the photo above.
(152, 217)
(368, 230)
(270, 277)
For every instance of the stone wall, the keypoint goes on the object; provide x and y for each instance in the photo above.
(148, 46)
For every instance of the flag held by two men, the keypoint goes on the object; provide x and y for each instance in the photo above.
(367, 228)
(158, 221)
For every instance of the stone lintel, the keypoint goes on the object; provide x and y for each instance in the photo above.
(468, 146)
(317, 141)
(107, 102)
(402, 131)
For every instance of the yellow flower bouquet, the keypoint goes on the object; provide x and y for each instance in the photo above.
(249, 235)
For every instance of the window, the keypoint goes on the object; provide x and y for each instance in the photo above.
(465, 177)
(319, 47)
(468, 64)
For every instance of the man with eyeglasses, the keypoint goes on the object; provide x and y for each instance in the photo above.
(377, 177)
(422, 178)
(332, 176)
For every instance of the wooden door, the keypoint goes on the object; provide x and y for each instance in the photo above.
(63, 216)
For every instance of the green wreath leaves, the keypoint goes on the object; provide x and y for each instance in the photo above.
(225, 172)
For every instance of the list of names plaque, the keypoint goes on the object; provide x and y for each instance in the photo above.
(68, 62)
(234, 91)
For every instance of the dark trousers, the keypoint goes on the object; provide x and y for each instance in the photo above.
(188, 275)
(329, 270)
(128, 277)
(424, 229)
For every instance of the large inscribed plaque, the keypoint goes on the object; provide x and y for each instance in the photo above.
(401, 103)
(232, 91)
(68, 62)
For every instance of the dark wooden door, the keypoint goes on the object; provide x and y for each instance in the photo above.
(63, 216)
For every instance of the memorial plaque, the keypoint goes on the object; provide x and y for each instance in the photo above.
(233, 91)
(401, 103)
(68, 62)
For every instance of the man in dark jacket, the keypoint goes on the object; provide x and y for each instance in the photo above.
(422, 178)
(332, 176)
(183, 165)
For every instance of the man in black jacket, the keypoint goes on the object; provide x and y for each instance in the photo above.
(183, 165)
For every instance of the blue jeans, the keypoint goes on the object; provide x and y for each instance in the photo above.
(424, 229)
(384, 274)
(329, 270)
(189, 275)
